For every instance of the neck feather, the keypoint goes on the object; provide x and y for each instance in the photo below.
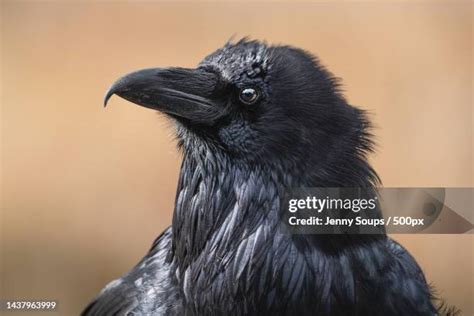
(220, 201)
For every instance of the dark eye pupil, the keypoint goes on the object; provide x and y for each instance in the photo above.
(248, 95)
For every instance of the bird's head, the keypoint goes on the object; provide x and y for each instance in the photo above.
(254, 102)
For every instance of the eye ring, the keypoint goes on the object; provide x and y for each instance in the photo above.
(249, 95)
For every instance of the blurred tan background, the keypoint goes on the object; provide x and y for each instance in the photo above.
(86, 190)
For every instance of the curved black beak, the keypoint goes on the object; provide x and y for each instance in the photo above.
(183, 93)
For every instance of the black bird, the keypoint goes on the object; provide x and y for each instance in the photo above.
(251, 120)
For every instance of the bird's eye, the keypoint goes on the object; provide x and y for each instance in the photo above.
(248, 95)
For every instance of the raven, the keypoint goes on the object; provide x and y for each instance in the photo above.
(253, 119)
